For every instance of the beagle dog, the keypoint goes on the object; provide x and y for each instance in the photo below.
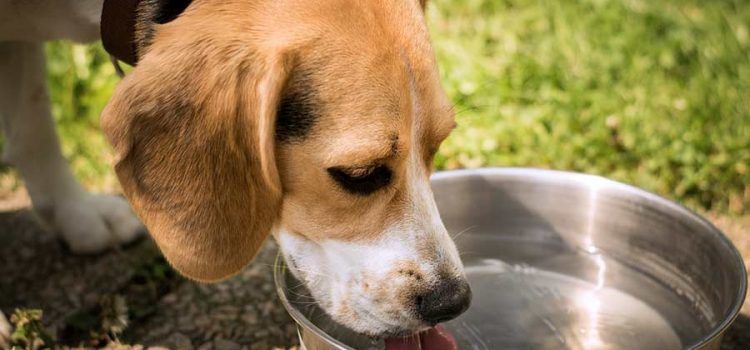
(315, 121)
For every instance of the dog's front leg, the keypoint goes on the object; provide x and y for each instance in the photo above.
(5, 330)
(88, 223)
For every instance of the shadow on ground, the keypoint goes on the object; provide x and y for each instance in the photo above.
(737, 337)
(38, 272)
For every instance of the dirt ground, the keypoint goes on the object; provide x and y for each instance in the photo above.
(36, 271)
(167, 310)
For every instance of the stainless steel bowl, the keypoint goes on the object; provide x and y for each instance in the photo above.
(561, 260)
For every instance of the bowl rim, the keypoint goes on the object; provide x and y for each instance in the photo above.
(279, 271)
(567, 177)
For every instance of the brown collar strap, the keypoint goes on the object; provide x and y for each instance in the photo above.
(118, 29)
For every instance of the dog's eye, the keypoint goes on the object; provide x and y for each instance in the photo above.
(361, 181)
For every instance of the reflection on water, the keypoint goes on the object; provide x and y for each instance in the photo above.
(545, 297)
(519, 307)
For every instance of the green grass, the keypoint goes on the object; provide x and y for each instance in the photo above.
(81, 80)
(653, 93)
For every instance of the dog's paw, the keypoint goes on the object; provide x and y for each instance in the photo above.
(90, 224)
(5, 331)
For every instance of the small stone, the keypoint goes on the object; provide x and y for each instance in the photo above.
(261, 333)
(228, 312)
(178, 341)
(261, 345)
(279, 317)
(266, 308)
(169, 298)
(250, 318)
(186, 323)
(206, 346)
(162, 331)
(222, 344)
(202, 321)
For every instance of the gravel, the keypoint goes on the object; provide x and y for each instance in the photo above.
(240, 313)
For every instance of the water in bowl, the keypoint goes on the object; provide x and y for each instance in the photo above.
(520, 306)
(532, 300)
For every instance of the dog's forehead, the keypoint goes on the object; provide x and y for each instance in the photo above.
(355, 34)
(373, 110)
(371, 70)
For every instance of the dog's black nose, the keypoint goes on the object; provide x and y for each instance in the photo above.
(448, 299)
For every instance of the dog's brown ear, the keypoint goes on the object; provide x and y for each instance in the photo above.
(193, 137)
(423, 3)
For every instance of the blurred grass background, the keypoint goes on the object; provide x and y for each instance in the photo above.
(652, 93)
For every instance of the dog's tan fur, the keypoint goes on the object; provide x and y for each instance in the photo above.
(192, 125)
(250, 117)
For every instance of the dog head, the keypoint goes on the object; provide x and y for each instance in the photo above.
(316, 121)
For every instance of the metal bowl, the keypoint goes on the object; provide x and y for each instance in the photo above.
(561, 260)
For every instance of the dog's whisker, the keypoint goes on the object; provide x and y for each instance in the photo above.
(299, 284)
(311, 299)
(306, 303)
(315, 273)
(463, 231)
(467, 253)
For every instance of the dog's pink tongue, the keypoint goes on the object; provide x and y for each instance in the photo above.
(432, 339)
(406, 343)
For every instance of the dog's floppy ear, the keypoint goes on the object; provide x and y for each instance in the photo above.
(193, 137)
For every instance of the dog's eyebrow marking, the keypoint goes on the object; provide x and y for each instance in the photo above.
(297, 110)
(151, 12)
(392, 151)
(169, 10)
(371, 153)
